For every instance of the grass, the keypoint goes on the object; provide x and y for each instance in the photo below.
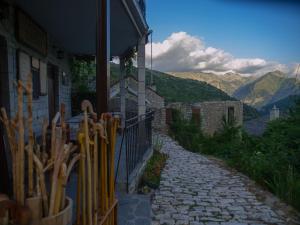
(272, 160)
(152, 173)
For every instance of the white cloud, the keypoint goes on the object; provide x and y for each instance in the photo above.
(184, 52)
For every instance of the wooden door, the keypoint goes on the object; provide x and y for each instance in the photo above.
(196, 116)
(4, 102)
(169, 118)
(231, 118)
(53, 83)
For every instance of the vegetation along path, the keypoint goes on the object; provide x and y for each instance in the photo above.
(197, 190)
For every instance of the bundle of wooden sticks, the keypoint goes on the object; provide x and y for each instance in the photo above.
(57, 160)
(96, 203)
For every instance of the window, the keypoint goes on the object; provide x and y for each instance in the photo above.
(36, 80)
(230, 115)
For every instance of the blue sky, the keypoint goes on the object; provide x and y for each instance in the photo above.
(269, 30)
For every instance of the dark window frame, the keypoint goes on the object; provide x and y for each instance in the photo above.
(36, 81)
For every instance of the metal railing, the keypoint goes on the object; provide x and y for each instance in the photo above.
(137, 136)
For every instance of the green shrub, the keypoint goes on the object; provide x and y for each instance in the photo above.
(151, 175)
(187, 133)
(273, 160)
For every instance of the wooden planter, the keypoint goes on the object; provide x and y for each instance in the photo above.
(62, 218)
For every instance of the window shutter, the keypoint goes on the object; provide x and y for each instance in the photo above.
(24, 66)
(43, 77)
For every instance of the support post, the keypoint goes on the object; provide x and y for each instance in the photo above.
(103, 56)
(123, 92)
(141, 77)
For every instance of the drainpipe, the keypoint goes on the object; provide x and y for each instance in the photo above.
(122, 92)
(141, 76)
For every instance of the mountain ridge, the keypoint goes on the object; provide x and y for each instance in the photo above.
(267, 89)
(228, 82)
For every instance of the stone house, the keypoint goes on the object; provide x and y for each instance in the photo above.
(274, 113)
(154, 102)
(209, 115)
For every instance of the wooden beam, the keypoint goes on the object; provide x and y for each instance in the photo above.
(103, 56)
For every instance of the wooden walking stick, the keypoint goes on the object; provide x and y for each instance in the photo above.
(82, 175)
(62, 119)
(85, 106)
(53, 135)
(28, 90)
(58, 161)
(38, 154)
(60, 183)
(12, 145)
(44, 135)
(98, 132)
(104, 168)
(41, 175)
(20, 153)
(113, 131)
(95, 176)
(78, 193)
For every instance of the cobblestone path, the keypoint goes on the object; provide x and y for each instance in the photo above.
(195, 190)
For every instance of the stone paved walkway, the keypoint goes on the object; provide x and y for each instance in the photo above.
(134, 209)
(195, 190)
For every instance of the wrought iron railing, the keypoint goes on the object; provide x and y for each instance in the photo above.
(137, 139)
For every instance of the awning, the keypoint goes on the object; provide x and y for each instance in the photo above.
(72, 23)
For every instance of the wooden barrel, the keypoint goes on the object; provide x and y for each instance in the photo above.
(62, 218)
(35, 206)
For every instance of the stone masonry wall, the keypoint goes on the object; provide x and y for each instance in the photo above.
(40, 105)
(154, 102)
(211, 113)
(157, 104)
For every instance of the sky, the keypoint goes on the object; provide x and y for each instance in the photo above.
(244, 36)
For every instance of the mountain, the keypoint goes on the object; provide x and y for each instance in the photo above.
(176, 89)
(284, 105)
(267, 89)
(228, 82)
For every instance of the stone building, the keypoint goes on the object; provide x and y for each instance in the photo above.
(154, 102)
(22, 53)
(210, 115)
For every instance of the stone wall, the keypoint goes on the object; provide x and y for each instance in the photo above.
(157, 104)
(154, 102)
(184, 108)
(40, 105)
(211, 113)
